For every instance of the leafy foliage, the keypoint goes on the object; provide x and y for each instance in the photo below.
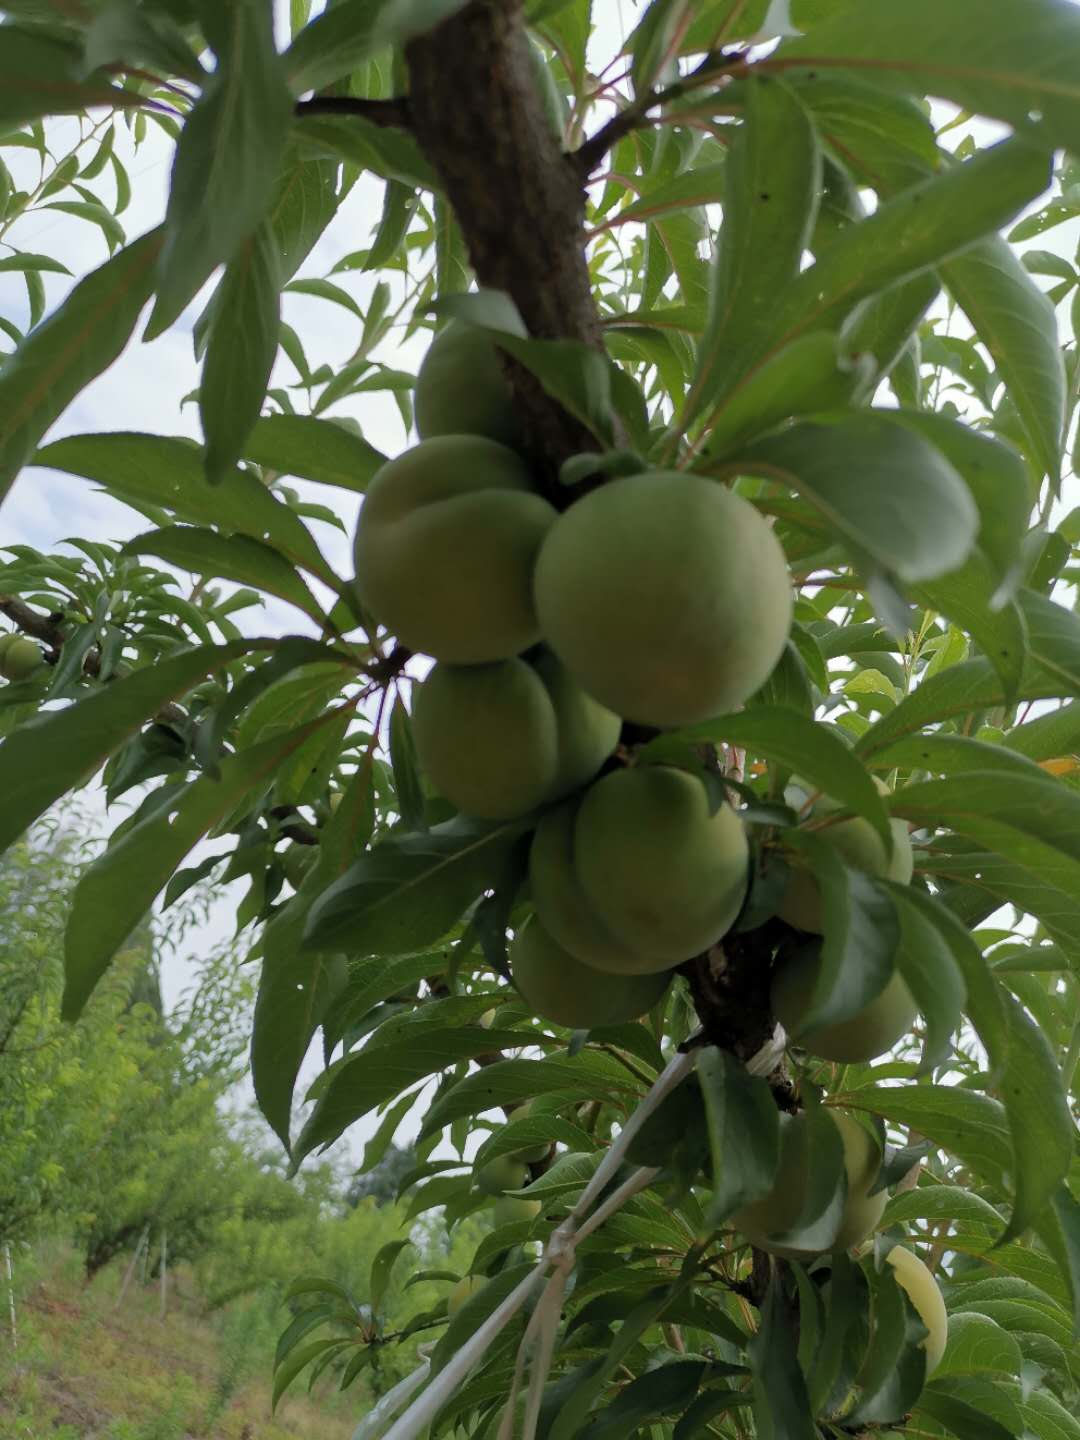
(803, 295)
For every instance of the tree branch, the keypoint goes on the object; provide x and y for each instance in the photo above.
(395, 112)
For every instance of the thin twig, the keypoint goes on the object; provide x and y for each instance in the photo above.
(393, 112)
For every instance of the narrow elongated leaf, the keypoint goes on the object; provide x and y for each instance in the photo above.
(771, 189)
(75, 344)
(588, 1074)
(232, 557)
(1013, 59)
(889, 493)
(781, 1402)
(932, 974)
(409, 890)
(387, 152)
(744, 1133)
(231, 149)
(313, 449)
(49, 755)
(381, 1268)
(117, 890)
(241, 350)
(966, 597)
(167, 471)
(894, 1369)
(972, 1127)
(1015, 321)
(41, 74)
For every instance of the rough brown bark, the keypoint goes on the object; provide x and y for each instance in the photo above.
(476, 112)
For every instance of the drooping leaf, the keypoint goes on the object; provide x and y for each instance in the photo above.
(313, 449)
(744, 1133)
(781, 1402)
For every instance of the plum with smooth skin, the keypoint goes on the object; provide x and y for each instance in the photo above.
(861, 847)
(564, 909)
(561, 989)
(20, 657)
(512, 1209)
(461, 388)
(501, 1174)
(463, 1292)
(665, 876)
(875, 1029)
(499, 740)
(667, 596)
(779, 1210)
(918, 1282)
(445, 549)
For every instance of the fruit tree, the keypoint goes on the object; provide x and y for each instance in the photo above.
(665, 816)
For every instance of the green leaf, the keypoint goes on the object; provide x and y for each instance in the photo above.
(703, 185)
(932, 974)
(972, 1127)
(306, 201)
(587, 1075)
(390, 153)
(334, 44)
(231, 557)
(1019, 66)
(978, 1346)
(48, 756)
(117, 890)
(893, 496)
(781, 1402)
(313, 449)
(408, 791)
(966, 597)
(41, 74)
(770, 203)
(1016, 323)
(655, 41)
(381, 1268)
(797, 742)
(287, 1372)
(77, 342)
(241, 350)
(744, 1133)
(665, 1390)
(304, 1322)
(225, 175)
(26, 261)
(355, 1085)
(962, 1418)
(163, 470)
(409, 891)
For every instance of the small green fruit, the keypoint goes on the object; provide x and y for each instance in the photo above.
(445, 549)
(564, 909)
(561, 989)
(665, 876)
(862, 1161)
(297, 861)
(461, 388)
(463, 1292)
(501, 1174)
(510, 1210)
(667, 596)
(875, 1029)
(20, 658)
(925, 1295)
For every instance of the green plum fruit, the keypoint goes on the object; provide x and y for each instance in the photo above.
(562, 906)
(487, 738)
(20, 658)
(861, 847)
(780, 1209)
(296, 861)
(511, 1209)
(923, 1291)
(461, 388)
(561, 989)
(875, 1029)
(498, 740)
(501, 1174)
(665, 876)
(6, 642)
(463, 1292)
(445, 549)
(666, 595)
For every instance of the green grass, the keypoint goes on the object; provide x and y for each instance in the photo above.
(87, 1369)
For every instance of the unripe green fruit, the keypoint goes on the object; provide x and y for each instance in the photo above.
(561, 989)
(665, 876)
(6, 642)
(780, 1209)
(463, 1292)
(20, 658)
(563, 908)
(461, 388)
(530, 1154)
(502, 739)
(862, 849)
(875, 1029)
(445, 549)
(666, 595)
(922, 1290)
(510, 1210)
(297, 860)
(502, 1173)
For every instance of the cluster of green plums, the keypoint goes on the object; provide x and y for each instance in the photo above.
(660, 598)
(19, 657)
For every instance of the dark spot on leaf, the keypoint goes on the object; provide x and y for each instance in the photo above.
(764, 195)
